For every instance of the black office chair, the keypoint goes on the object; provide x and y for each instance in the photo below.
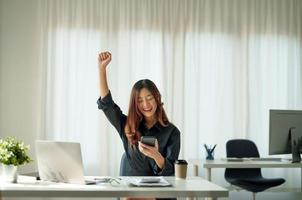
(249, 179)
(124, 166)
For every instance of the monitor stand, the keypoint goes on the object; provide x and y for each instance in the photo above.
(295, 146)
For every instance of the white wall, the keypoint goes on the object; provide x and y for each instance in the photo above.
(20, 72)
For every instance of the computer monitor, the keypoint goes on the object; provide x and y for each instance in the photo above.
(285, 129)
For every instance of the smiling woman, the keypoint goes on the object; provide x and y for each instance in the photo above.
(146, 117)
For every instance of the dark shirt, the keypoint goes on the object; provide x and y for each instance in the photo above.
(140, 165)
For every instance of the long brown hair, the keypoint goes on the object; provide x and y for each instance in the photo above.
(135, 116)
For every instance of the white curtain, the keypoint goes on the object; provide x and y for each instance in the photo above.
(219, 64)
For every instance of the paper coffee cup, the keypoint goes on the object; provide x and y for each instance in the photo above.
(180, 169)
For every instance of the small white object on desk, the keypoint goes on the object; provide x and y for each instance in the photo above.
(148, 181)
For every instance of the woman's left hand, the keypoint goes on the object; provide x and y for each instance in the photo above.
(150, 151)
(153, 153)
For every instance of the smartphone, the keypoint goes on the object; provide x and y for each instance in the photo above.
(150, 180)
(148, 140)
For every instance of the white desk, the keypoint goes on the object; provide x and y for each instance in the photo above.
(223, 163)
(191, 187)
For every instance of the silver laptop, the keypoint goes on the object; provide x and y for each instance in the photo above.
(60, 162)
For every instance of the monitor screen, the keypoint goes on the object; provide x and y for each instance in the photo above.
(280, 124)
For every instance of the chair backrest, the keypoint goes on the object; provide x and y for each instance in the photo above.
(124, 166)
(241, 148)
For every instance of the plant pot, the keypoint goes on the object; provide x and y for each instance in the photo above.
(9, 173)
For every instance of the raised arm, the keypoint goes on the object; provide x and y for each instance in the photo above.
(105, 102)
(104, 60)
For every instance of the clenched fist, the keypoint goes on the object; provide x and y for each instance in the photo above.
(104, 59)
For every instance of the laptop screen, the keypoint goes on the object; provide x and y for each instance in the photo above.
(60, 161)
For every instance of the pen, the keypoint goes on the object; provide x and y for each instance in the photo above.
(213, 148)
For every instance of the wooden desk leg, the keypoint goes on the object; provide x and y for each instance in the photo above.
(195, 170)
(208, 174)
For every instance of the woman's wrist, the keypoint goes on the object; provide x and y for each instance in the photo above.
(160, 161)
(103, 81)
(102, 67)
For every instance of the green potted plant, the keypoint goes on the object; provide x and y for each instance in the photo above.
(13, 153)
